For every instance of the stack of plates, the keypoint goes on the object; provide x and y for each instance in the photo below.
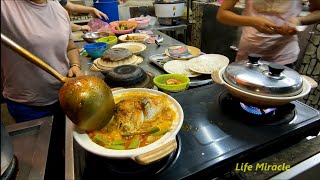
(107, 65)
(133, 47)
(115, 57)
(205, 64)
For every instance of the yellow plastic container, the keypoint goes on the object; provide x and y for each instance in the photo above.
(161, 82)
(108, 39)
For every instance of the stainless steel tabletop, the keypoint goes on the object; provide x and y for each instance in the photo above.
(167, 28)
(146, 65)
(152, 49)
(86, 63)
(31, 145)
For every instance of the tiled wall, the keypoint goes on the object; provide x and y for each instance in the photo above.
(310, 66)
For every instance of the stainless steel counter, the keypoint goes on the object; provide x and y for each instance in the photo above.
(152, 49)
(71, 157)
(30, 145)
(146, 65)
(86, 63)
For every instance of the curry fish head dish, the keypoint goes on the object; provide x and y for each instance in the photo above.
(144, 121)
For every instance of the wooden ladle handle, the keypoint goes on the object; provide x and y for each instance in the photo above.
(31, 58)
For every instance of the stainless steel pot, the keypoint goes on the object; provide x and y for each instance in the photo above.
(6, 150)
(169, 9)
(262, 83)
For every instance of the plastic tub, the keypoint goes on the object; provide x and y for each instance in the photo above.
(110, 40)
(161, 82)
(96, 50)
(110, 8)
(143, 22)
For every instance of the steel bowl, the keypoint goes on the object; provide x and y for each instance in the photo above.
(91, 37)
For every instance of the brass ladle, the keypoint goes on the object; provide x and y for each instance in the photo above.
(86, 100)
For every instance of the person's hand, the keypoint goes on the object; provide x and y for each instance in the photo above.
(264, 25)
(122, 1)
(74, 71)
(99, 14)
(286, 30)
(294, 21)
(85, 28)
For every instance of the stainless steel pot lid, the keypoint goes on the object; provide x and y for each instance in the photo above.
(264, 78)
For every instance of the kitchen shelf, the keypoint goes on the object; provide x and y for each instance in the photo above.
(81, 21)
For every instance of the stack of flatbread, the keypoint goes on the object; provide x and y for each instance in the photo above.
(114, 57)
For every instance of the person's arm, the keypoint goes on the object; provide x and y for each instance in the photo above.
(226, 16)
(76, 27)
(74, 58)
(312, 18)
(85, 9)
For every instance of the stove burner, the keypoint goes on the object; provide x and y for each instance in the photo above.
(255, 115)
(128, 76)
(256, 110)
(11, 171)
(115, 168)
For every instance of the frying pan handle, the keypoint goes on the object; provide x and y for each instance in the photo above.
(216, 78)
(156, 154)
(311, 81)
(31, 58)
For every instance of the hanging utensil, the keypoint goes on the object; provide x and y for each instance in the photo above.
(86, 100)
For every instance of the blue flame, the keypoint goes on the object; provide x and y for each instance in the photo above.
(255, 110)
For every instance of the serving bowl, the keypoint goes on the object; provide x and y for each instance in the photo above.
(163, 82)
(134, 37)
(96, 50)
(144, 155)
(110, 40)
(133, 47)
(117, 24)
(143, 22)
(91, 37)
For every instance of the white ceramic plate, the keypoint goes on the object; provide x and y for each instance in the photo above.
(208, 63)
(142, 37)
(179, 67)
(133, 47)
(301, 28)
(194, 52)
(84, 141)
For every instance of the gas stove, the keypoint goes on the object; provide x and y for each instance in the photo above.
(212, 140)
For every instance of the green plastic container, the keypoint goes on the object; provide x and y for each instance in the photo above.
(160, 82)
(110, 40)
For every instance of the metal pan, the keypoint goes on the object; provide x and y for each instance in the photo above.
(263, 100)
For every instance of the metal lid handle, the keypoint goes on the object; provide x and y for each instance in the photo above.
(276, 69)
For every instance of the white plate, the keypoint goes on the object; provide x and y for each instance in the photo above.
(179, 67)
(133, 47)
(144, 37)
(301, 28)
(208, 63)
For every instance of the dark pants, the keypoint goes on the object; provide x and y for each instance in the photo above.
(55, 168)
